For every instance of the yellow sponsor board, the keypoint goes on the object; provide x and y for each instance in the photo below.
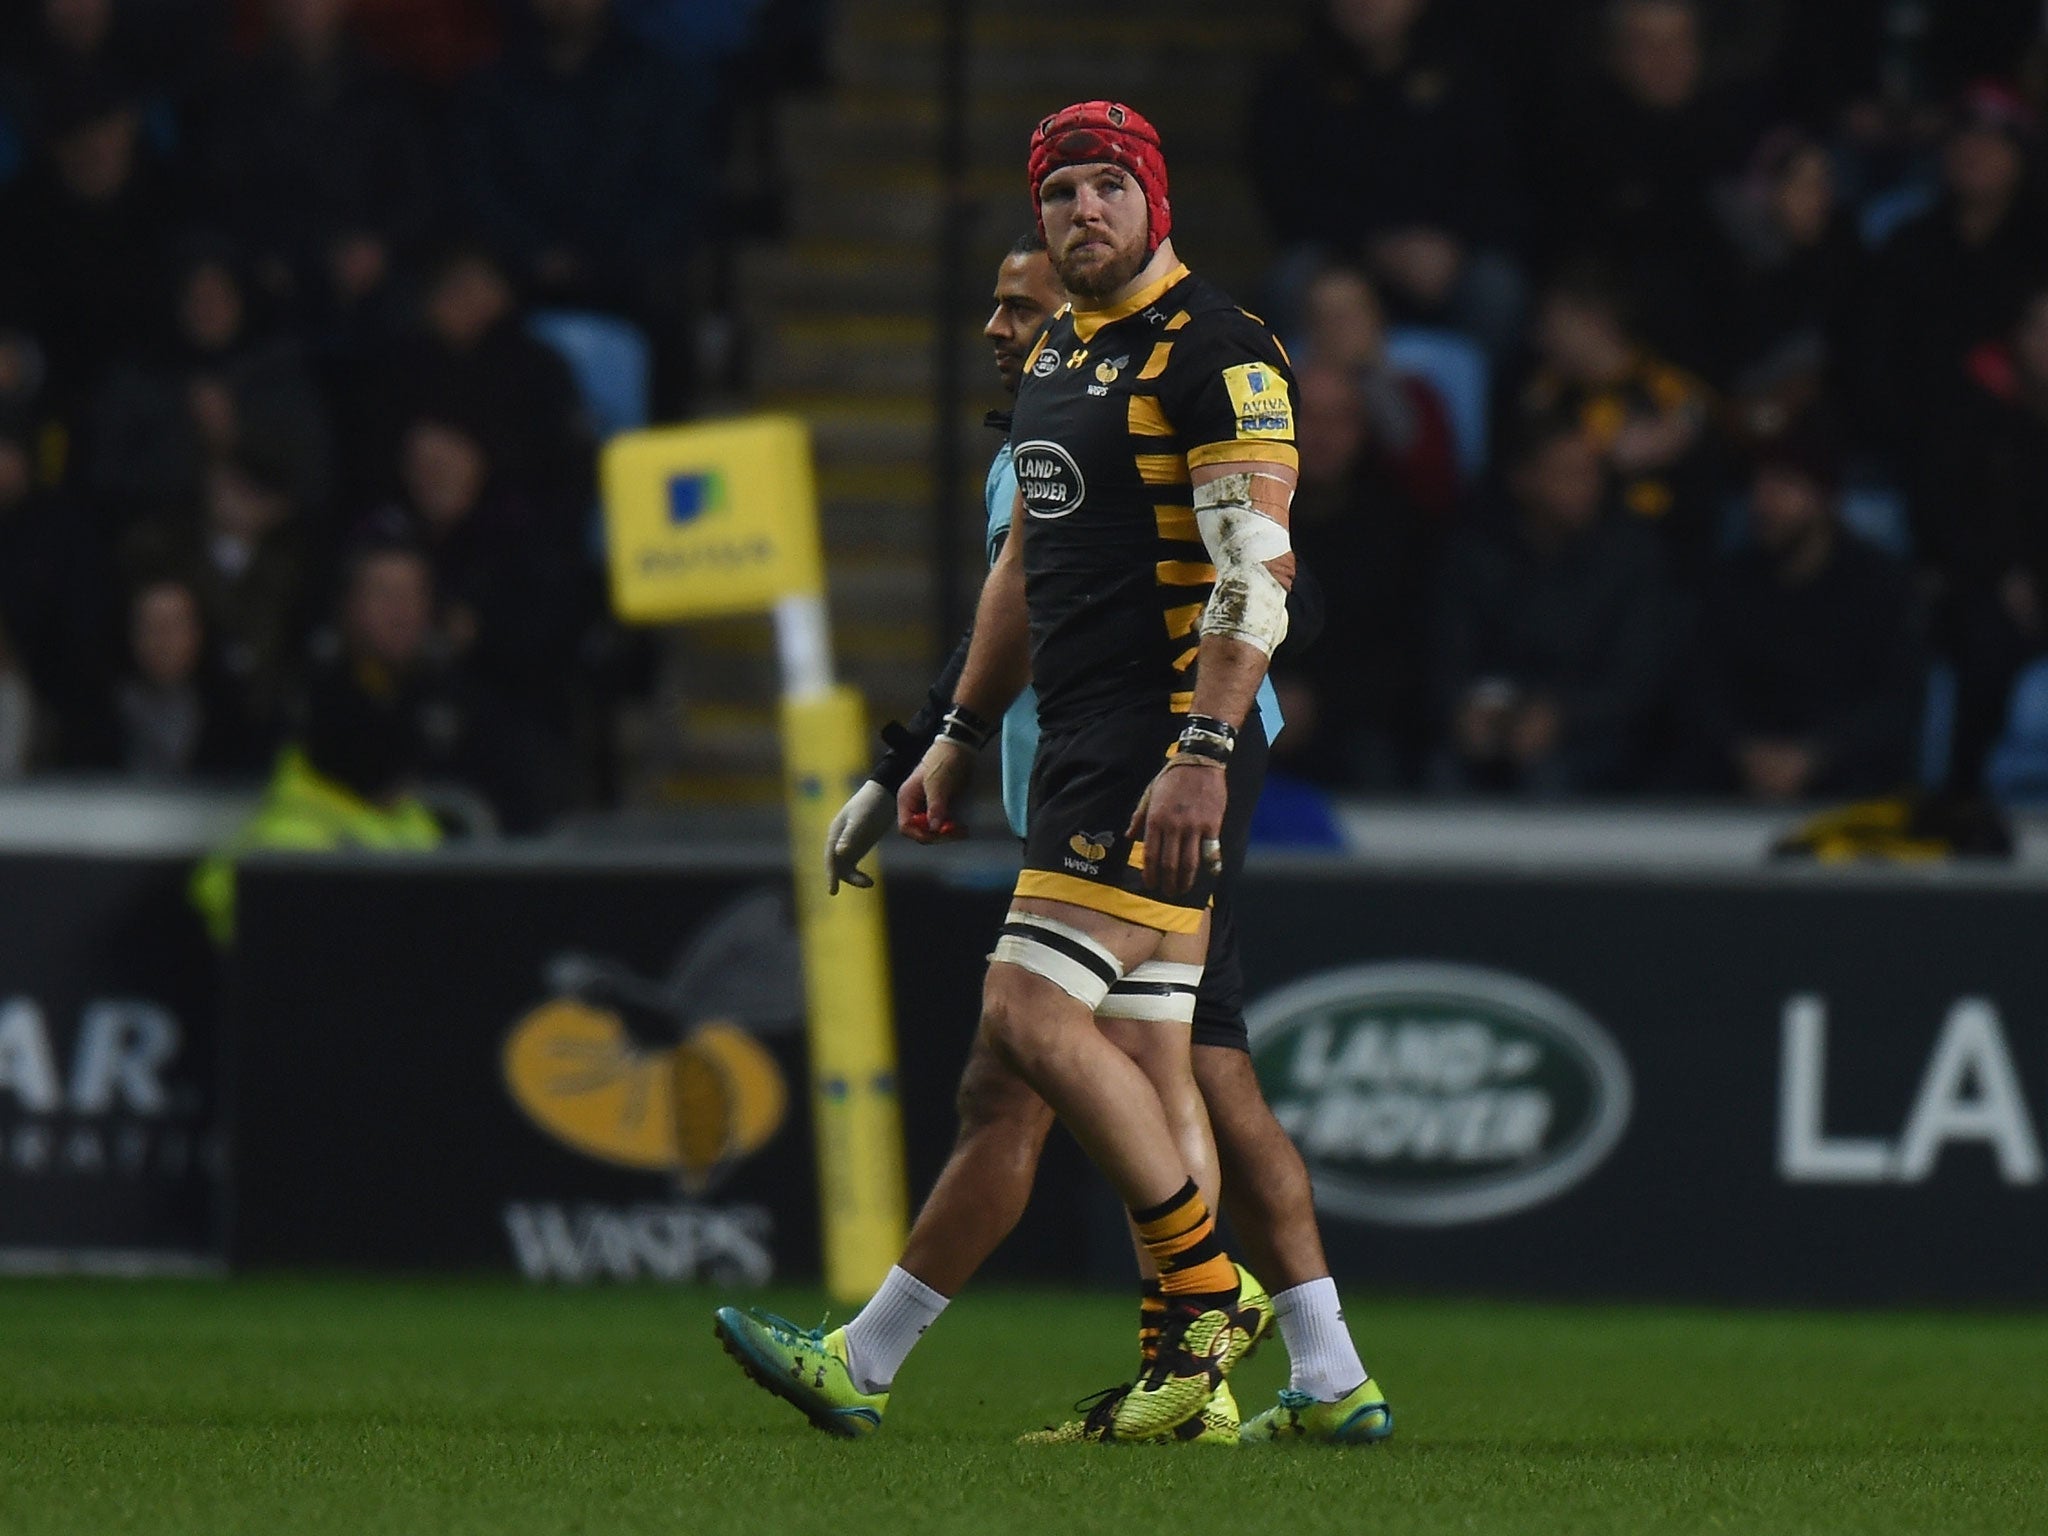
(710, 520)
(1259, 400)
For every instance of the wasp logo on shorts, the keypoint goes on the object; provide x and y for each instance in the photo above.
(1047, 364)
(1259, 399)
(686, 1088)
(1092, 848)
(1049, 479)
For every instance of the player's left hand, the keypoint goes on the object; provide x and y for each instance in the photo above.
(1180, 819)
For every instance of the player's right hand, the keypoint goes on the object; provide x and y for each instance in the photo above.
(924, 806)
(853, 834)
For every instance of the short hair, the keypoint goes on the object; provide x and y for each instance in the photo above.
(1031, 243)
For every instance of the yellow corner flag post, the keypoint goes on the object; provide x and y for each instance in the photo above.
(721, 519)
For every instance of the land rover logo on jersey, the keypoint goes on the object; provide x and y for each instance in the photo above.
(1049, 479)
(1048, 364)
(1431, 1094)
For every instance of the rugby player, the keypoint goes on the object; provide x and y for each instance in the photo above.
(1154, 305)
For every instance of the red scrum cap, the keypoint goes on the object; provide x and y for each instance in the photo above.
(1098, 132)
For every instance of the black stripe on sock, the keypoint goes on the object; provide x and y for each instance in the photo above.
(1060, 944)
(1153, 989)
(1210, 1247)
(1152, 1213)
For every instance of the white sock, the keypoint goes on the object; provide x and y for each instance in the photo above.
(888, 1327)
(1321, 1359)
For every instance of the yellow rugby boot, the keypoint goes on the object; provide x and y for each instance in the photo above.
(1360, 1417)
(805, 1367)
(1198, 1348)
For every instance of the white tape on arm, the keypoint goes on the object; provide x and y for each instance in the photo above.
(1248, 603)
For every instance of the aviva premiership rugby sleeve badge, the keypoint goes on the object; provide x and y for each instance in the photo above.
(1258, 398)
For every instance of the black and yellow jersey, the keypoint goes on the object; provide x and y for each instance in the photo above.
(1116, 406)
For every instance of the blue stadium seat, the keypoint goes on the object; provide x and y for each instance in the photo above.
(1878, 513)
(610, 359)
(1881, 215)
(1293, 813)
(1457, 366)
(1937, 725)
(2018, 770)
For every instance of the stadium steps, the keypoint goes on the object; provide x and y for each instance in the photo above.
(840, 316)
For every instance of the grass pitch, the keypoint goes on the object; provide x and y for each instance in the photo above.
(293, 1408)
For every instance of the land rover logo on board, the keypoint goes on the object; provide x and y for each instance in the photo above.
(1433, 1094)
(1049, 479)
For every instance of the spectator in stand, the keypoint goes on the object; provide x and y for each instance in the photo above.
(55, 583)
(1634, 163)
(1953, 278)
(175, 717)
(246, 552)
(585, 161)
(314, 158)
(378, 713)
(507, 614)
(209, 383)
(1809, 669)
(83, 234)
(470, 356)
(1549, 641)
(64, 39)
(1787, 314)
(376, 719)
(1984, 533)
(1647, 417)
(1396, 157)
(1354, 702)
(17, 711)
(1344, 328)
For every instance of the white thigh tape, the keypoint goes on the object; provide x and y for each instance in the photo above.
(1158, 991)
(1062, 954)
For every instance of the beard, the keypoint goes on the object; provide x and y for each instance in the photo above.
(1096, 277)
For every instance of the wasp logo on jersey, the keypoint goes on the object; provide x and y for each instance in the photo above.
(1258, 397)
(1049, 479)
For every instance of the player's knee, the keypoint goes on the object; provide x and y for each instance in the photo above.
(1016, 1033)
(992, 1100)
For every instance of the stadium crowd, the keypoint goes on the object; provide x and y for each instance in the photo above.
(1673, 395)
(280, 456)
(1746, 306)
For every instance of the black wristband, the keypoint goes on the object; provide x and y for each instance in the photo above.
(1206, 736)
(966, 727)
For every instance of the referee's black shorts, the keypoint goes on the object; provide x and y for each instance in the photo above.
(1085, 784)
(1219, 1002)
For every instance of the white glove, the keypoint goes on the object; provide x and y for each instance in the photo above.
(854, 833)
